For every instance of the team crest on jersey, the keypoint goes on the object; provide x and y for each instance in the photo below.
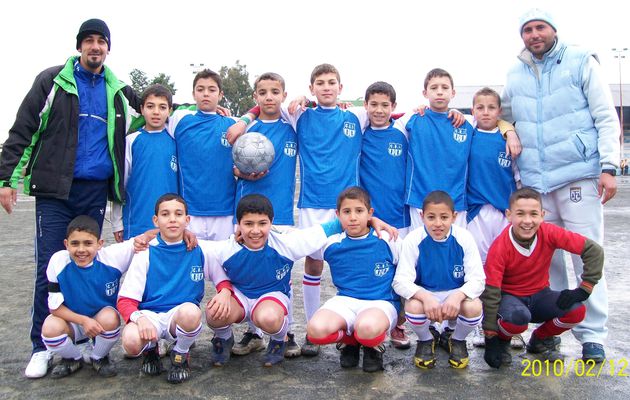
(196, 273)
(174, 163)
(381, 269)
(282, 272)
(224, 141)
(111, 288)
(458, 271)
(575, 194)
(394, 149)
(349, 129)
(290, 149)
(504, 160)
(460, 134)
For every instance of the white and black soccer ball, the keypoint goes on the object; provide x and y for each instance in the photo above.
(253, 152)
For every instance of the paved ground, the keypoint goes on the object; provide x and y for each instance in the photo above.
(320, 377)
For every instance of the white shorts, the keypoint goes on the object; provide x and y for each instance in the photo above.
(249, 305)
(79, 333)
(311, 216)
(162, 321)
(349, 308)
(416, 219)
(485, 227)
(211, 228)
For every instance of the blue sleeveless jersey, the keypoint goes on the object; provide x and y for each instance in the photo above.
(440, 265)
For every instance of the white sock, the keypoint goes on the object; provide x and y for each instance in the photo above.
(62, 346)
(185, 339)
(279, 336)
(104, 342)
(224, 332)
(311, 291)
(464, 326)
(420, 326)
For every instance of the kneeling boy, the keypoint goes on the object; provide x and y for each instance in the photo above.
(82, 291)
(517, 286)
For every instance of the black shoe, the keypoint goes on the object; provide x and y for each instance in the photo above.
(458, 353)
(434, 332)
(104, 367)
(309, 349)
(66, 367)
(151, 363)
(373, 358)
(275, 352)
(293, 350)
(180, 370)
(425, 354)
(545, 347)
(445, 336)
(349, 355)
(506, 357)
(221, 349)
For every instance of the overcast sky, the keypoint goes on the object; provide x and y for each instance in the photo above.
(397, 41)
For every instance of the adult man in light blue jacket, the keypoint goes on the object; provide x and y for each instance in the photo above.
(566, 121)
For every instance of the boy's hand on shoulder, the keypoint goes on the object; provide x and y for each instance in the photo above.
(219, 306)
(420, 110)
(300, 102)
(513, 145)
(91, 327)
(457, 117)
(380, 225)
(141, 242)
(146, 329)
(190, 239)
(118, 236)
(224, 111)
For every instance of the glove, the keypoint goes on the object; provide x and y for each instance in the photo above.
(569, 297)
(492, 353)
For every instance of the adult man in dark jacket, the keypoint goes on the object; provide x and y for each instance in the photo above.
(68, 141)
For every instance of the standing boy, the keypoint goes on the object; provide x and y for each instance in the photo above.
(517, 281)
(160, 295)
(362, 266)
(440, 276)
(150, 166)
(82, 291)
(205, 160)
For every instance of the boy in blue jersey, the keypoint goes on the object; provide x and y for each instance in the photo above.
(82, 291)
(259, 267)
(382, 171)
(362, 266)
(150, 166)
(206, 179)
(441, 277)
(330, 146)
(160, 295)
(278, 185)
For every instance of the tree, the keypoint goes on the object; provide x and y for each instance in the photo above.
(140, 82)
(237, 92)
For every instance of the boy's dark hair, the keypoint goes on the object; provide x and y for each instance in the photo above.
(525, 193)
(324, 69)
(84, 223)
(354, 193)
(169, 197)
(208, 73)
(157, 90)
(254, 204)
(437, 73)
(269, 76)
(438, 197)
(381, 87)
(486, 91)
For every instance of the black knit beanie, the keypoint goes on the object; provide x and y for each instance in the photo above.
(91, 26)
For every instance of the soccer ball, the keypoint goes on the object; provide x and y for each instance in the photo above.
(253, 152)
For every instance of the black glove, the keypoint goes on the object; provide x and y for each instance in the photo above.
(569, 297)
(492, 353)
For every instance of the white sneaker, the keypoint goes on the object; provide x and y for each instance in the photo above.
(478, 338)
(39, 364)
(86, 349)
(517, 342)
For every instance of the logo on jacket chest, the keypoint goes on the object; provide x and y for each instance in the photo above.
(111, 288)
(196, 273)
(290, 149)
(282, 272)
(349, 129)
(395, 149)
(382, 268)
(504, 160)
(460, 134)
